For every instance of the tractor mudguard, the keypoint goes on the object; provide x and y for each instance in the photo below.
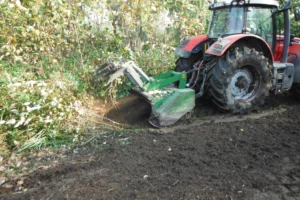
(191, 45)
(223, 44)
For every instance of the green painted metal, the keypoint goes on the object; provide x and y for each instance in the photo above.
(165, 79)
(167, 94)
(169, 106)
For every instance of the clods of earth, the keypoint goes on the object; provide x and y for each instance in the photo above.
(207, 155)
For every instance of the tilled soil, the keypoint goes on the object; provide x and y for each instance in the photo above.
(254, 158)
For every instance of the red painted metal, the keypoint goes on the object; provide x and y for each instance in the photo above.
(294, 49)
(221, 45)
(194, 41)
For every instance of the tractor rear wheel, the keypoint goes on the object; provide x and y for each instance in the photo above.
(240, 80)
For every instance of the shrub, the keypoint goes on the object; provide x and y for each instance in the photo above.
(50, 49)
(37, 113)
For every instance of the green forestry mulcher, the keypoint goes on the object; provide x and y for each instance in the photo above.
(248, 52)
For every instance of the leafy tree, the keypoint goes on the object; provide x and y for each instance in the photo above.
(295, 26)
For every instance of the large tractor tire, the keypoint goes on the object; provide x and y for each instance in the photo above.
(240, 80)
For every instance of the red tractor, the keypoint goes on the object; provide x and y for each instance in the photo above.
(248, 52)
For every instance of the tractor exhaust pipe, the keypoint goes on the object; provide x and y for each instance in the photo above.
(287, 31)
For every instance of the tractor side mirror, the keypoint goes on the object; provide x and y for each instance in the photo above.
(297, 14)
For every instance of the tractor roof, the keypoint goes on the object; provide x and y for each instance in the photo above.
(260, 3)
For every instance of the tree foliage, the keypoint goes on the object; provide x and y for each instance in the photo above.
(295, 26)
(42, 40)
(38, 29)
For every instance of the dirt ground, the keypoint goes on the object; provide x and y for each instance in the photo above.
(208, 155)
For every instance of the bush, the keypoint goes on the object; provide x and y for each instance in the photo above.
(50, 49)
(37, 113)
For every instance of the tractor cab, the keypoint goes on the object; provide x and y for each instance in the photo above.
(237, 17)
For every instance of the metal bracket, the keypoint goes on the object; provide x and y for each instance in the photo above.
(132, 72)
(283, 77)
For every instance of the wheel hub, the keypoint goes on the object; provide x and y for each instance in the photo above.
(240, 84)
